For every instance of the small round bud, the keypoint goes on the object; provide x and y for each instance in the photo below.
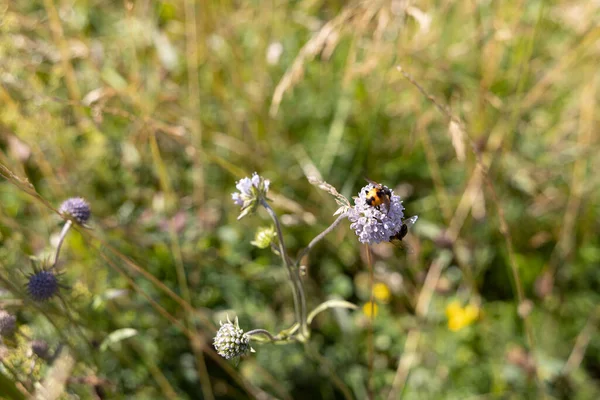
(231, 341)
(40, 348)
(42, 285)
(77, 209)
(264, 237)
(8, 323)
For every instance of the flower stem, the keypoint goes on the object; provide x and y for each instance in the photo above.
(261, 332)
(318, 238)
(61, 239)
(370, 344)
(297, 285)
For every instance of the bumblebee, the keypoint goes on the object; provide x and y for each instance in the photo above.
(378, 195)
(397, 238)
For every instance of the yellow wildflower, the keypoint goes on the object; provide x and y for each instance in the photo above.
(460, 317)
(370, 309)
(382, 293)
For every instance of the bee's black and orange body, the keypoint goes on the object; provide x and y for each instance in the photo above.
(378, 195)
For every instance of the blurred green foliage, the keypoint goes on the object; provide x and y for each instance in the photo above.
(152, 111)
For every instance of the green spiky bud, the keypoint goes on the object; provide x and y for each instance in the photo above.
(264, 237)
(231, 341)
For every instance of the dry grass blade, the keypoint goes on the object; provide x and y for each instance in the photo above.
(582, 342)
(321, 184)
(53, 386)
(458, 140)
(313, 47)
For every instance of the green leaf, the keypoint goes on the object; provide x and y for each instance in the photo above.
(8, 389)
(117, 336)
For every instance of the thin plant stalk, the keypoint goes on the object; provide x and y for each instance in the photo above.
(319, 237)
(61, 239)
(371, 350)
(261, 332)
(298, 287)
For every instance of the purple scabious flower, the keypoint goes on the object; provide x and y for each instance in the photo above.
(8, 323)
(231, 341)
(77, 209)
(375, 224)
(42, 285)
(251, 190)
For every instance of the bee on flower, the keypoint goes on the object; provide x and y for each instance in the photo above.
(378, 215)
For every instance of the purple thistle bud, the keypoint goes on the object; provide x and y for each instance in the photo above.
(42, 285)
(40, 348)
(76, 208)
(8, 323)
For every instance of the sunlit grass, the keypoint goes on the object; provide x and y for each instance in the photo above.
(152, 110)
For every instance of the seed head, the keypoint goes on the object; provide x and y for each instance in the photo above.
(251, 190)
(77, 209)
(231, 341)
(42, 285)
(375, 224)
(8, 323)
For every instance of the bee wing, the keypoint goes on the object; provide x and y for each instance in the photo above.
(399, 244)
(371, 182)
(410, 221)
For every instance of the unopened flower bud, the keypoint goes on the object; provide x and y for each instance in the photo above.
(231, 341)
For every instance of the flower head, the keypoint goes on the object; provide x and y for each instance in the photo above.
(460, 317)
(40, 348)
(42, 285)
(77, 209)
(231, 341)
(370, 309)
(8, 323)
(382, 292)
(251, 190)
(376, 224)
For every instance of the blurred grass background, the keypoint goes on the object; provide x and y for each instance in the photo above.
(151, 110)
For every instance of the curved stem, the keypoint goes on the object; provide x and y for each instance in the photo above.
(318, 238)
(63, 235)
(261, 332)
(333, 303)
(298, 287)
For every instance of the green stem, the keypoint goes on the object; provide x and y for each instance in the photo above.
(262, 332)
(61, 239)
(318, 238)
(297, 285)
(333, 303)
